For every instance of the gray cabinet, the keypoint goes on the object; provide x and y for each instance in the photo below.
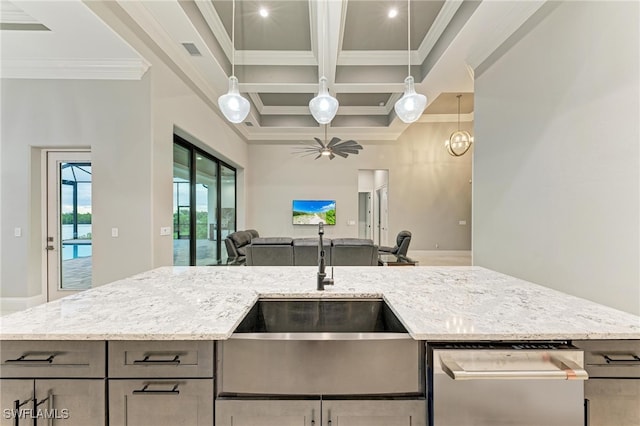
(16, 396)
(374, 413)
(321, 413)
(67, 402)
(267, 413)
(161, 383)
(176, 402)
(612, 402)
(52, 382)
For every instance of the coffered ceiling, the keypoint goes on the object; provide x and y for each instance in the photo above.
(355, 43)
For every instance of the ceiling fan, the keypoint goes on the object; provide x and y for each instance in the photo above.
(335, 146)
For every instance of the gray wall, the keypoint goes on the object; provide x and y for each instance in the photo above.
(429, 191)
(111, 118)
(556, 162)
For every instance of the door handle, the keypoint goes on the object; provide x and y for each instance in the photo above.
(146, 391)
(24, 360)
(49, 248)
(566, 370)
(173, 360)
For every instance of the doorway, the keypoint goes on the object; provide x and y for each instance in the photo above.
(204, 205)
(69, 245)
(373, 197)
(364, 215)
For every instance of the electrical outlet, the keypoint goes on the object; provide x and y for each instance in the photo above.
(114, 232)
(462, 222)
(17, 232)
(165, 230)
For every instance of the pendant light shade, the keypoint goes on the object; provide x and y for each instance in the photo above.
(411, 105)
(324, 106)
(234, 107)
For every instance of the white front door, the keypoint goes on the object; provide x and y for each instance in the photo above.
(69, 221)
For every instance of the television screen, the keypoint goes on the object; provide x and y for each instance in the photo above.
(312, 212)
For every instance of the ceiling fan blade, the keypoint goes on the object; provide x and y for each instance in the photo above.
(347, 143)
(349, 151)
(340, 153)
(319, 142)
(331, 156)
(333, 141)
(319, 155)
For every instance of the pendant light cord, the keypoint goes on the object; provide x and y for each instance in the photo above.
(324, 19)
(408, 37)
(459, 96)
(233, 35)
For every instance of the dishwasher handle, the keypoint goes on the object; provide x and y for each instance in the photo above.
(566, 370)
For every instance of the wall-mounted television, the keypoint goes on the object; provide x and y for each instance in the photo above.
(312, 212)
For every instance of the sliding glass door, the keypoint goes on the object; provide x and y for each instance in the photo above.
(204, 205)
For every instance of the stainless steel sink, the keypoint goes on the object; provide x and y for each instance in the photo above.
(320, 347)
(362, 316)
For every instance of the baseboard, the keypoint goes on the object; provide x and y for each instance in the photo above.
(14, 304)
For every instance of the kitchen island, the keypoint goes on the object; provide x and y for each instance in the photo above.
(140, 350)
(207, 303)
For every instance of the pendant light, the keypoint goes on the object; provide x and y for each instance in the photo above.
(234, 107)
(411, 105)
(460, 141)
(324, 106)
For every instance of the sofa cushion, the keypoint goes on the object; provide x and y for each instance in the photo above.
(351, 242)
(272, 241)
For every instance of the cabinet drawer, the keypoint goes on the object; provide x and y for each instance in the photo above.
(52, 359)
(175, 402)
(131, 359)
(611, 358)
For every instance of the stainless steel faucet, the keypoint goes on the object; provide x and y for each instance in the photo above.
(322, 276)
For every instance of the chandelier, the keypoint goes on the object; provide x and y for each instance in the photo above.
(460, 141)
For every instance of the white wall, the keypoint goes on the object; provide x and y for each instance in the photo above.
(556, 163)
(113, 119)
(429, 191)
(129, 126)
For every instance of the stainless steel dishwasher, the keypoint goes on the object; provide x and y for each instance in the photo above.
(514, 384)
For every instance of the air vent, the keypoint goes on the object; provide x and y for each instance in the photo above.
(192, 49)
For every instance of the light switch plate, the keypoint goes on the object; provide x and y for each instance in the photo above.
(17, 232)
(114, 232)
(462, 222)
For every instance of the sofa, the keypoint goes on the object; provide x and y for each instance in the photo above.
(285, 251)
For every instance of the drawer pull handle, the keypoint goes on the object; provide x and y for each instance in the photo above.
(29, 361)
(146, 391)
(147, 360)
(632, 359)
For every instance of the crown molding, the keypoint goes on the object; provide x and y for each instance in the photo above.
(80, 69)
(448, 11)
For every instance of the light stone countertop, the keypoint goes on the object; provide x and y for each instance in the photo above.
(207, 303)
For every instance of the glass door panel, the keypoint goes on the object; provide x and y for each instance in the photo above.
(228, 205)
(69, 223)
(181, 206)
(206, 211)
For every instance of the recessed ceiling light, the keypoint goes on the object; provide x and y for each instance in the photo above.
(264, 12)
(393, 12)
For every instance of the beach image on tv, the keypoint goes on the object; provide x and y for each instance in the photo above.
(312, 212)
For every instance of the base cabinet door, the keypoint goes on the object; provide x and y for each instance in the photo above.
(612, 402)
(74, 402)
(16, 399)
(267, 413)
(71, 402)
(179, 402)
(374, 413)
